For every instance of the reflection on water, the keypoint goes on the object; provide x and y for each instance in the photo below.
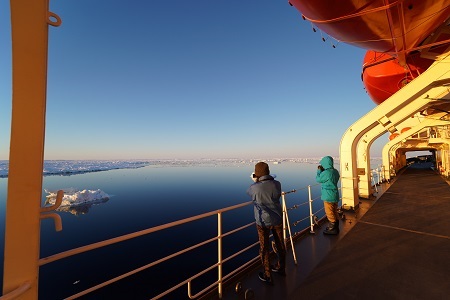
(81, 209)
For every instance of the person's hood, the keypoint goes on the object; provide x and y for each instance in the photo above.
(327, 162)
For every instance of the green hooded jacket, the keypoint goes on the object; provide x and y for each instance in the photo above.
(329, 178)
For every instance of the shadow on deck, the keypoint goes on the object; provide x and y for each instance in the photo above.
(399, 249)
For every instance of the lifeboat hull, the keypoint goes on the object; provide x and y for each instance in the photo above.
(383, 75)
(382, 25)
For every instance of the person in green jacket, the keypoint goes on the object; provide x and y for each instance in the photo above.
(328, 176)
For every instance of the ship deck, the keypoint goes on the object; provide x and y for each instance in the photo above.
(395, 246)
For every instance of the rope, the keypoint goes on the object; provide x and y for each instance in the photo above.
(366, 12)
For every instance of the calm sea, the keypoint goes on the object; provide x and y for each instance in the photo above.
(146, 197)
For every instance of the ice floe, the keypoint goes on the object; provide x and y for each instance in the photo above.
(74, 197)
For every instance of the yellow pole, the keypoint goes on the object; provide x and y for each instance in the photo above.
(29, 31)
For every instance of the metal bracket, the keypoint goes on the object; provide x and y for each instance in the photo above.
(56, 218)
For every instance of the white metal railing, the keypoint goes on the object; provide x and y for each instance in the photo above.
(377, 177)
(313, 220)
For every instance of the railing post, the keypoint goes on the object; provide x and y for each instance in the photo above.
(284, 212)
(311, 216)
(219, 254)
(287, 224)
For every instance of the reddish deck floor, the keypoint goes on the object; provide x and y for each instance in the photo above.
(396, 246)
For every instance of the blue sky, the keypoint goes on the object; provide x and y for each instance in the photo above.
(190, 79)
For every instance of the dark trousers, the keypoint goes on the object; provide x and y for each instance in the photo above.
(264, 246)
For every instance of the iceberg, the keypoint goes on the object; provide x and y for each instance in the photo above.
(74, 197)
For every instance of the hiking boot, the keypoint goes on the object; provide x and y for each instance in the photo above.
(265, 279)
(332, 229)
(279, 271)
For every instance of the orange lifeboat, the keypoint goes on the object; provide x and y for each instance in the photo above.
(390, 26)
(392, 30)
(393, 136)
(383, 76)
(405, 129)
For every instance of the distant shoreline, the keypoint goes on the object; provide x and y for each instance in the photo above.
(78, 167)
